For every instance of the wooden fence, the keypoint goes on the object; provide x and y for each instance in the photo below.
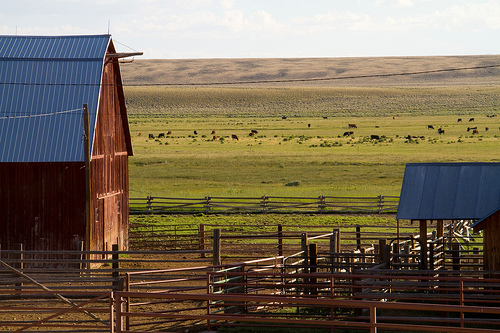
(265, 204)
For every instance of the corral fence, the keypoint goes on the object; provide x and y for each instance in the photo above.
(265, 204)
(353, 246)
(267, 294)
(336, 278)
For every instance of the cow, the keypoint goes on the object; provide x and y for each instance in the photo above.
(213, 132)
(459, 120)
(440, 130)
(169, 133)
(151, 136)
(349, 133)
(325, 117)
(161, 135)
(234, 137)
(214, 137)
(475, 131)
(471, 119)
(308, 125)
(251, 134)
(352, 126)
(139, 133)
(195, 133)
(374, 137)
(430, 127)
(254, 131)
(284, 117)
(471, 128)
(486, 129)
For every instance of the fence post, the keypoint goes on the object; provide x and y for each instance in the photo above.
(380, 204)
(305, 255)
(455, 250)
(115, 265)
(322, 203)
(358, 237)
(150, 203)
(280, 239)
(380, 250)
(18, 261)
(264, 203)
(313, 267)
(202, 239)
(216, 247)
(207, 204)
(334, 247)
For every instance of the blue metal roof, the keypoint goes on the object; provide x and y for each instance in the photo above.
(44, 82)
(449, 191)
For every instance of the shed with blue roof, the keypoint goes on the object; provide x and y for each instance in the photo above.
(44, 83)
(455, 191)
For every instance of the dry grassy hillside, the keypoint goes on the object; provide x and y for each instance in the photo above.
(207, 71)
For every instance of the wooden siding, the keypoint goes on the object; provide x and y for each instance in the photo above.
(110, 165)
(41, 205)
(491, 242)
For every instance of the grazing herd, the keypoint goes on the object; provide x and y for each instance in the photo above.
(348, 133)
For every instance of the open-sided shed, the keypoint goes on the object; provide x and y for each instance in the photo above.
(454, 191)
(44, 83)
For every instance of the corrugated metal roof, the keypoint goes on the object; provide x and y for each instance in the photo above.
(44, 82)
(447, 191)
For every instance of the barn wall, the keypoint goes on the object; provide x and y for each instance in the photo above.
(41, 205)
(491, 242)
(110, 165)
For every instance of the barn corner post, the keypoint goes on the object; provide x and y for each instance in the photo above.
(88, 188)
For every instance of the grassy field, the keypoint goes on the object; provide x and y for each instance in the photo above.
(305, 154)
(315, 160)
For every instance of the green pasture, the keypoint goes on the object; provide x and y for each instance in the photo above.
(288, 158)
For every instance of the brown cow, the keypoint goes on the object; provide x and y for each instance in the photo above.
(213, 132)
(234, 137)
(251, 134)
(169, 133)
(352, 126)
(475, 131)
(441, 131)
(214, 137)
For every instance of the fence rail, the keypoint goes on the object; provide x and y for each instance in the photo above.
(265, 204)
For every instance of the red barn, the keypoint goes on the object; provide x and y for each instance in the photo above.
(44, 83)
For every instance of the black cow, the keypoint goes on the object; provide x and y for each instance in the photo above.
(441, 131)
(459, 120)
(234, 137)
(151, 136)
(375, 137)
(161, 135)
(349, 133)
(430, 127)
(195, 133)
(471, 119)
(254, 131)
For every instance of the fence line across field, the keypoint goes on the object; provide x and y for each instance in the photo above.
(265, 204)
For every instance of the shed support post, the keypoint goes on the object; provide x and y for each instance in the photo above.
(423, 243)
